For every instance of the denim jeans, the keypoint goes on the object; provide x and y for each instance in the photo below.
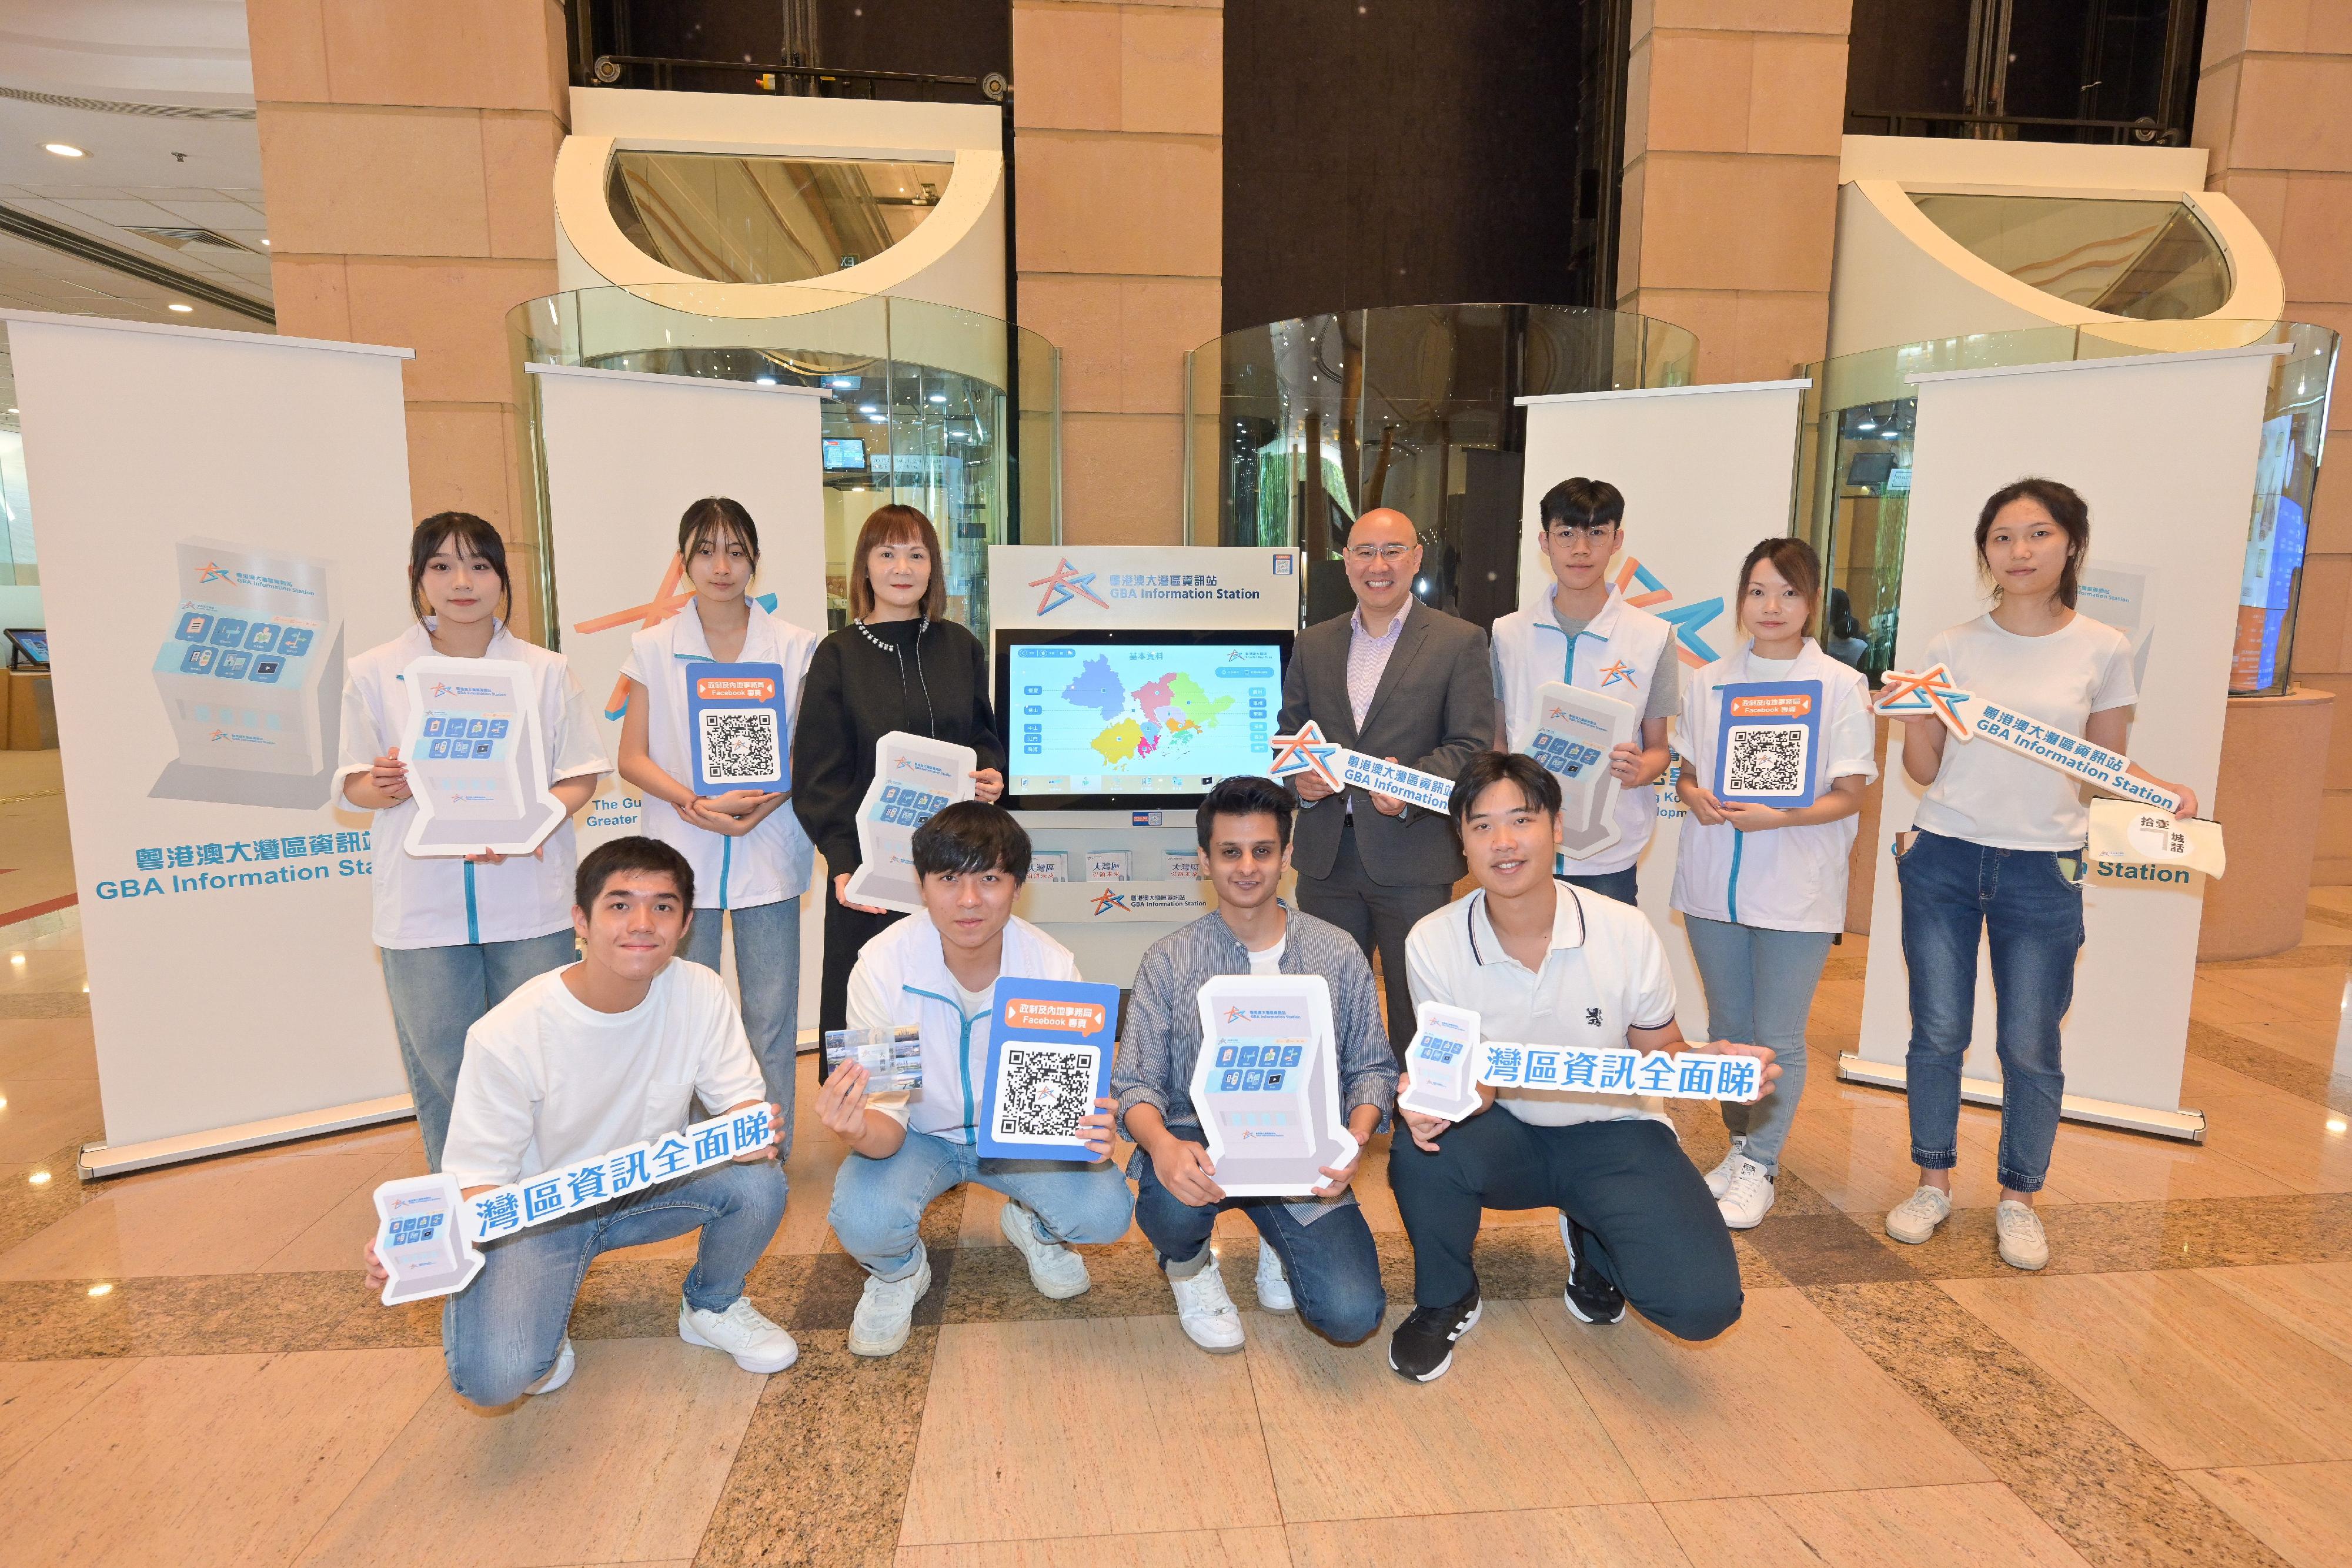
(877, 1205)
(437, 995)
(1622, 886)
(2032, 907)
(767, 974)
(1759, 989)
(502, 1332)
(1333, 1268)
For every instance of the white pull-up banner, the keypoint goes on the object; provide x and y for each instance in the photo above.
(2163, 448)
(1706, 472)
(224, 520)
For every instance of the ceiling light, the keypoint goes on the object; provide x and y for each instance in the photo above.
(938, 397)
(63, 149)
(867, 408)
(763, 380)
(183, 309)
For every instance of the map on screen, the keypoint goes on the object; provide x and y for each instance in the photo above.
(1125, 717)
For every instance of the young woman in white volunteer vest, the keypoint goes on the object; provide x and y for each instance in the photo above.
(1583, 634)
(460, 934)
(1998, 850)
(1762, 888)
(751, 858)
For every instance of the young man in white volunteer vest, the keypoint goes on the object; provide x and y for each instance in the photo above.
(1542, 962)
(938, 970)
(1584, 634)
(606, 1052)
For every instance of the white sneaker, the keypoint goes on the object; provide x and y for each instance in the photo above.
(1273, 1285)
(1206, 1313)
(1056, 1271)
(886, 1313)
(1748, 1198)
(557, 1376)
(1916, 1218)
(2023, 1244)
(742, 1331)
(1720, 1177)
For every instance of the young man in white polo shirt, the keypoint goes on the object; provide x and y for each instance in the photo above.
(1543, 962)
(606, 1052)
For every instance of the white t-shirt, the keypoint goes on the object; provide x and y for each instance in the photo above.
(548, 1080)
(975, 1003)
(1606, 973)
(1270, 961)
(1990, 795)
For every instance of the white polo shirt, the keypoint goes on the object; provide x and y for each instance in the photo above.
(1606, 973)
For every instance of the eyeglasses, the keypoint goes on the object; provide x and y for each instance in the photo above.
(1592, 534)
(1367, 554)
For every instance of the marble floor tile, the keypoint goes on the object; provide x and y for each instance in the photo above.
(43, 1114)
(40, 1049)
(623, 1463)
(1692, 1420)
(1260, 1548)
(2102, 1164)
(1825, 1248)
(2290, 1139)
(2128, 1238)
(2303, 1512)
(1504, 1427)
(2178, 1364)
(339, 1238)
(1000, 1394)
(1853, 1146)
(37, 1397)
(1919, 1527)
(2327, 1082)
(1625, 1535)
(2312, 1299)
(254, 1452)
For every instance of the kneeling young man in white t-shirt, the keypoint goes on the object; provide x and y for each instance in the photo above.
(938, 970)
(1545, 963)
(606, 1052)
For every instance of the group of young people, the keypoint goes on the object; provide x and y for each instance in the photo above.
(542, 1018)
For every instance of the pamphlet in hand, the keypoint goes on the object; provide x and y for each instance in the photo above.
(1049, 1056)
(893, 1058)
(914, 778)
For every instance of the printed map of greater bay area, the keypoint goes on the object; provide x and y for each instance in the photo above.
(1171, 712)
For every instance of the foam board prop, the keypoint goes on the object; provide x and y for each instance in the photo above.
(1266, 1085)
(1442, 1063)
(429, 1239)
(1970, 716)
(914, 777)
(1691, 1075)
(1336, 765)
(477, 764)
(1577, 732)
(1764, 749)
(1049, 1055)
(738, 721)
(2127, 834)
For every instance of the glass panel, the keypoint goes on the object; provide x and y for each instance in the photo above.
(736, 219)
(2153, 261)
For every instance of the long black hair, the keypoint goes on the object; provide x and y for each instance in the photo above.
(2070, 511)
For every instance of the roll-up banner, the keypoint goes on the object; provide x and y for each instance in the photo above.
(626, 454)
(1706, 472)
(2163, 447)
(224, 521)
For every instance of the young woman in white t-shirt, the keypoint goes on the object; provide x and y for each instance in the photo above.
(751, 860)
(1998, 850)
(1762, 888)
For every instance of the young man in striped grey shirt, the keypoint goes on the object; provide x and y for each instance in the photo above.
(1315, 1255)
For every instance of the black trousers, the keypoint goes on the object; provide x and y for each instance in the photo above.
(845, 932)
(1643, 1210)
(1379, 917)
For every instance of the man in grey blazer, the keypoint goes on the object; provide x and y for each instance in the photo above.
(1398, 679)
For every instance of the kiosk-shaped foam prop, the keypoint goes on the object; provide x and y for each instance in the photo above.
(1266, 1085)
(477, 768)
(1573, 740)
(914, 778)
(1442, 1063)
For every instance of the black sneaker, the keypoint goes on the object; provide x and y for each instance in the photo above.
(1590, 1298)
(1422, 1346)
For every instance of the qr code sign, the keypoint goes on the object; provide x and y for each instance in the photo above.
(1766, 760)
(738, 747)
(1042, 1090)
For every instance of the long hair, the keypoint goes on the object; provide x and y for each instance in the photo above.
(2070, 511)
(714, 517)
(896, 525)
(1796, 562)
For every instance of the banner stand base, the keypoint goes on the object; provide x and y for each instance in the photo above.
(102, 1160)
(2187, 1127)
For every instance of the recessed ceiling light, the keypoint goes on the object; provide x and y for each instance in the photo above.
(63, 149)
(183, 309)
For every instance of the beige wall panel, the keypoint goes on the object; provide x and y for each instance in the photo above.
(452, 54)
(1698, 85)
(1080, 314)
(1122, 204)
(1122, 479)
(1833, 17)
(1796, 100)
(453, 313)
(1066, 68)
(1728, 221)
(375, 181)
(1172, 71)
(518, 174)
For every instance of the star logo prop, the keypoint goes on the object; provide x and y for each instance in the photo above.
(666, 602)
(1109, 898)
(1928, 690)
(1306, 752)
(1064, 583)
(1646, 590)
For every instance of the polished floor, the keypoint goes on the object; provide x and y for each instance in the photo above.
(192, 1372)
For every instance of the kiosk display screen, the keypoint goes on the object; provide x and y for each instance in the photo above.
(1094, 718)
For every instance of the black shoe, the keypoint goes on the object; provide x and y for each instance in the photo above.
(1422, 1346)
(1590, 1298)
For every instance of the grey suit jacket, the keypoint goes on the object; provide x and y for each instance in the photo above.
(1433, 710)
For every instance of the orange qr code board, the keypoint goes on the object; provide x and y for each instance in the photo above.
(735, 689)
(1781, 705)
(1071, 1018)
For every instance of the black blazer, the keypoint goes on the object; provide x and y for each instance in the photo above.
(1433, 710)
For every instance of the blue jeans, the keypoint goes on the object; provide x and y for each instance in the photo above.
(1333, 1268)
(1621, 885)
(1759, 989)
(502, 1332)
(767, 974)
(877, 1205)
(2031, 907)
(437, 995)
